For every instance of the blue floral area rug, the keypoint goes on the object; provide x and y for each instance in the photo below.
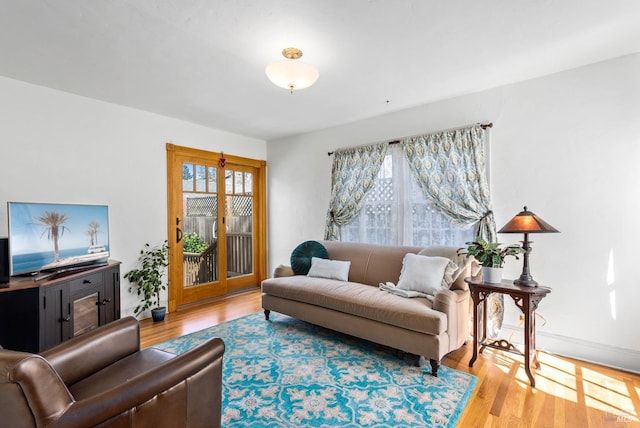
(288, 373)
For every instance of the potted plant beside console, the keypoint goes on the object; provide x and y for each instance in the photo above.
(491, 256)
(148, 279)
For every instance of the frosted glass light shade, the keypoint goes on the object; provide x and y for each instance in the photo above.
(292, 74)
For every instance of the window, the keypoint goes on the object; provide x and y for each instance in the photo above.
(397, 213)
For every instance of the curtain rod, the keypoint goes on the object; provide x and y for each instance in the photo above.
(482, 125)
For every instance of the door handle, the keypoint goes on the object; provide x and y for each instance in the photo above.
(178, 231)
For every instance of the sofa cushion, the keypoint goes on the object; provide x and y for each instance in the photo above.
(331, 269)
(361, 300)
(301, 256)
(426, 274)
(119, 372)
(370, 264)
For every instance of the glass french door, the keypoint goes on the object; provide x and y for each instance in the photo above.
(216, 224)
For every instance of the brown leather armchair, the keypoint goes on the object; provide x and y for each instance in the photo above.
(103, 378)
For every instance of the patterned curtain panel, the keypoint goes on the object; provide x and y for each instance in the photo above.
(352, 176)
(449, 167)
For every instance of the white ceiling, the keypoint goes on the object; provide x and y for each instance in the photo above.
(203, 60)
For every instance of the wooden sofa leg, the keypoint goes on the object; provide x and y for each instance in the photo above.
(266, 314)
(435, 365)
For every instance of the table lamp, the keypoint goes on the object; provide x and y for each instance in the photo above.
(526, 222)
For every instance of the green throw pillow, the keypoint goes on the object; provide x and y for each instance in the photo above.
(302, 254)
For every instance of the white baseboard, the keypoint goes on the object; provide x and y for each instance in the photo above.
(610, 356)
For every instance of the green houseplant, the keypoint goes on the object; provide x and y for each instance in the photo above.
(491, 256)
(148, 279)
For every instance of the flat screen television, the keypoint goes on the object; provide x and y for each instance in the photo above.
(56, 237)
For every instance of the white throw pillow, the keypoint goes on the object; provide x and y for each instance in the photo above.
(426, 274)
(460, 260)
(331, 269)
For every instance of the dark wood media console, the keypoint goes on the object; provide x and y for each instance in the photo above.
(36, 315)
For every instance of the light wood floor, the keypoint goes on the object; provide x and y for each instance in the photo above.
(568, 393)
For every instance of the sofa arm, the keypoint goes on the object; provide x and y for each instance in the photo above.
(31, 393)
(455, 304)
(282, 271)
(83, 355)
(198, 370)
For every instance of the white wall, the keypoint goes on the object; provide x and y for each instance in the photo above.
(568, 147)
(59, 147)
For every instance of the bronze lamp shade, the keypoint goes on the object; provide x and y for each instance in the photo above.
(527, 222)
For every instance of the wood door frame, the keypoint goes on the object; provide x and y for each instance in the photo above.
(174, 194)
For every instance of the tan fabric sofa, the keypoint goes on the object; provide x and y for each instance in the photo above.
(359, 308)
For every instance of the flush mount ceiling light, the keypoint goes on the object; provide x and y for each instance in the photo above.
(291, 73)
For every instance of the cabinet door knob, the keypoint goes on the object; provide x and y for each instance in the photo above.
(86, 281)
(67, 319)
